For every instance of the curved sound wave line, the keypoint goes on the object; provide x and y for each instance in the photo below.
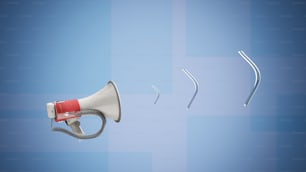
(195, 83)
(157, 93)
(257, 76)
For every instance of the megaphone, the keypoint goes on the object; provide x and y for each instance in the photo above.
(104, 103)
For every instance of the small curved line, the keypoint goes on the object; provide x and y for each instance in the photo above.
(195, 83)
(157, 93)
(257, 76)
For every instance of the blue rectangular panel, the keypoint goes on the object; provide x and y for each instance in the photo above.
(130, 161)
(219, 144)
(141, 45)
(53, 161)
(15, 114)
(289, 117)
(216, 28)
(278, 28)
(287, 123)
(291, 152)
(54, 46)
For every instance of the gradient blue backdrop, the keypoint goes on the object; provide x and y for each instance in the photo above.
(62, 49)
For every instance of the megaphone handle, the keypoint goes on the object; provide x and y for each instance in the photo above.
(75, 126)
(80, 136)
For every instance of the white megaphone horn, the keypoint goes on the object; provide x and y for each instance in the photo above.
(104, 103)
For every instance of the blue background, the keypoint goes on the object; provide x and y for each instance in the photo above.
(63, 49)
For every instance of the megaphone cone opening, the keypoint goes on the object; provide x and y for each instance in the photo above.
(118, 99)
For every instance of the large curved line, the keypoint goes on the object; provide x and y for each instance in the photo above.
(257, 76)
(195, 83)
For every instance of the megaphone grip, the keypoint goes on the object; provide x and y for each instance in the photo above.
(67, 106)
(81, 136)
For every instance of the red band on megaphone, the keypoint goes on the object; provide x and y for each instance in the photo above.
(67, 106)
(65, 116)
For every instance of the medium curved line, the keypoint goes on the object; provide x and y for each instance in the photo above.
(195, 83)
(157, 93)
(257, 76)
